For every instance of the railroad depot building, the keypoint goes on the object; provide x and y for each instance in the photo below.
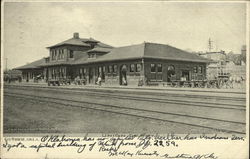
(88, 59)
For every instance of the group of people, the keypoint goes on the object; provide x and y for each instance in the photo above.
(79, 81)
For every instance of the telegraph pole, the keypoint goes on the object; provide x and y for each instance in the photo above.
(6, 64)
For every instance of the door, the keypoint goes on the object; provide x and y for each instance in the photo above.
(123, 75)
(47, 75)
(91, 75)
(185, 74)
(27, 77)
(171, 73)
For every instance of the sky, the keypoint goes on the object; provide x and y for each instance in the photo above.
(30, 27)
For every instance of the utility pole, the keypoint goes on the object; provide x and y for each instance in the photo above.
(210, 45)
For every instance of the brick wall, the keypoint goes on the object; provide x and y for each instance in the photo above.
(179, 67)
(111, 78)
(66, 51)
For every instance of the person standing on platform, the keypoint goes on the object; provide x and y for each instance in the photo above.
(99, 81)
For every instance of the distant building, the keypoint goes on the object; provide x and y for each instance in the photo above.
(243, 53)
(216, 56)
(12, 75)
(235, 70)
(225, 65)
(225, 69)
(243, 49)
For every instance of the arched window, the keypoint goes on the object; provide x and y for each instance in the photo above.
(132, 67)
(124, 68)
(171, 73)
(171, 69)
(115, 68)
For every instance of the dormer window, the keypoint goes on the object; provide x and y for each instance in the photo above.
(53, 54)
(92, 43)
(47, 60)
(92, 55)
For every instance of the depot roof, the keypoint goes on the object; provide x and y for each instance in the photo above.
(81, 42)
(33, 65)
(146, 50)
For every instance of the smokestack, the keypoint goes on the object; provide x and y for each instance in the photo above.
(76, 35)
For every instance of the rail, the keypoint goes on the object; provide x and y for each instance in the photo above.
(197, 121)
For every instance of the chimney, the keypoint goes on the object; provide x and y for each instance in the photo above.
(76, 35)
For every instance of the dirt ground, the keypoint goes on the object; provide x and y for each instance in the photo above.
(30, 116)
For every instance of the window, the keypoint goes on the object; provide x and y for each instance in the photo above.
(153, 69)
(61, 54)
(92, 45)
(124, 68)
(99, 70)
(103, 69)
(171, 68)
(71, 54)
(53, 73)
(55, 54)
(159, 68)
(132, 67)
(195, 69)
(199, 69)
(47, 60)
(62, 72)
(52, 54)
(110, 69)
(115, 68)
(138, 67)
(92, 55)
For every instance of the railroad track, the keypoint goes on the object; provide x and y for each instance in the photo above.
(209, 104)
(164, 94)
(219, 125)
